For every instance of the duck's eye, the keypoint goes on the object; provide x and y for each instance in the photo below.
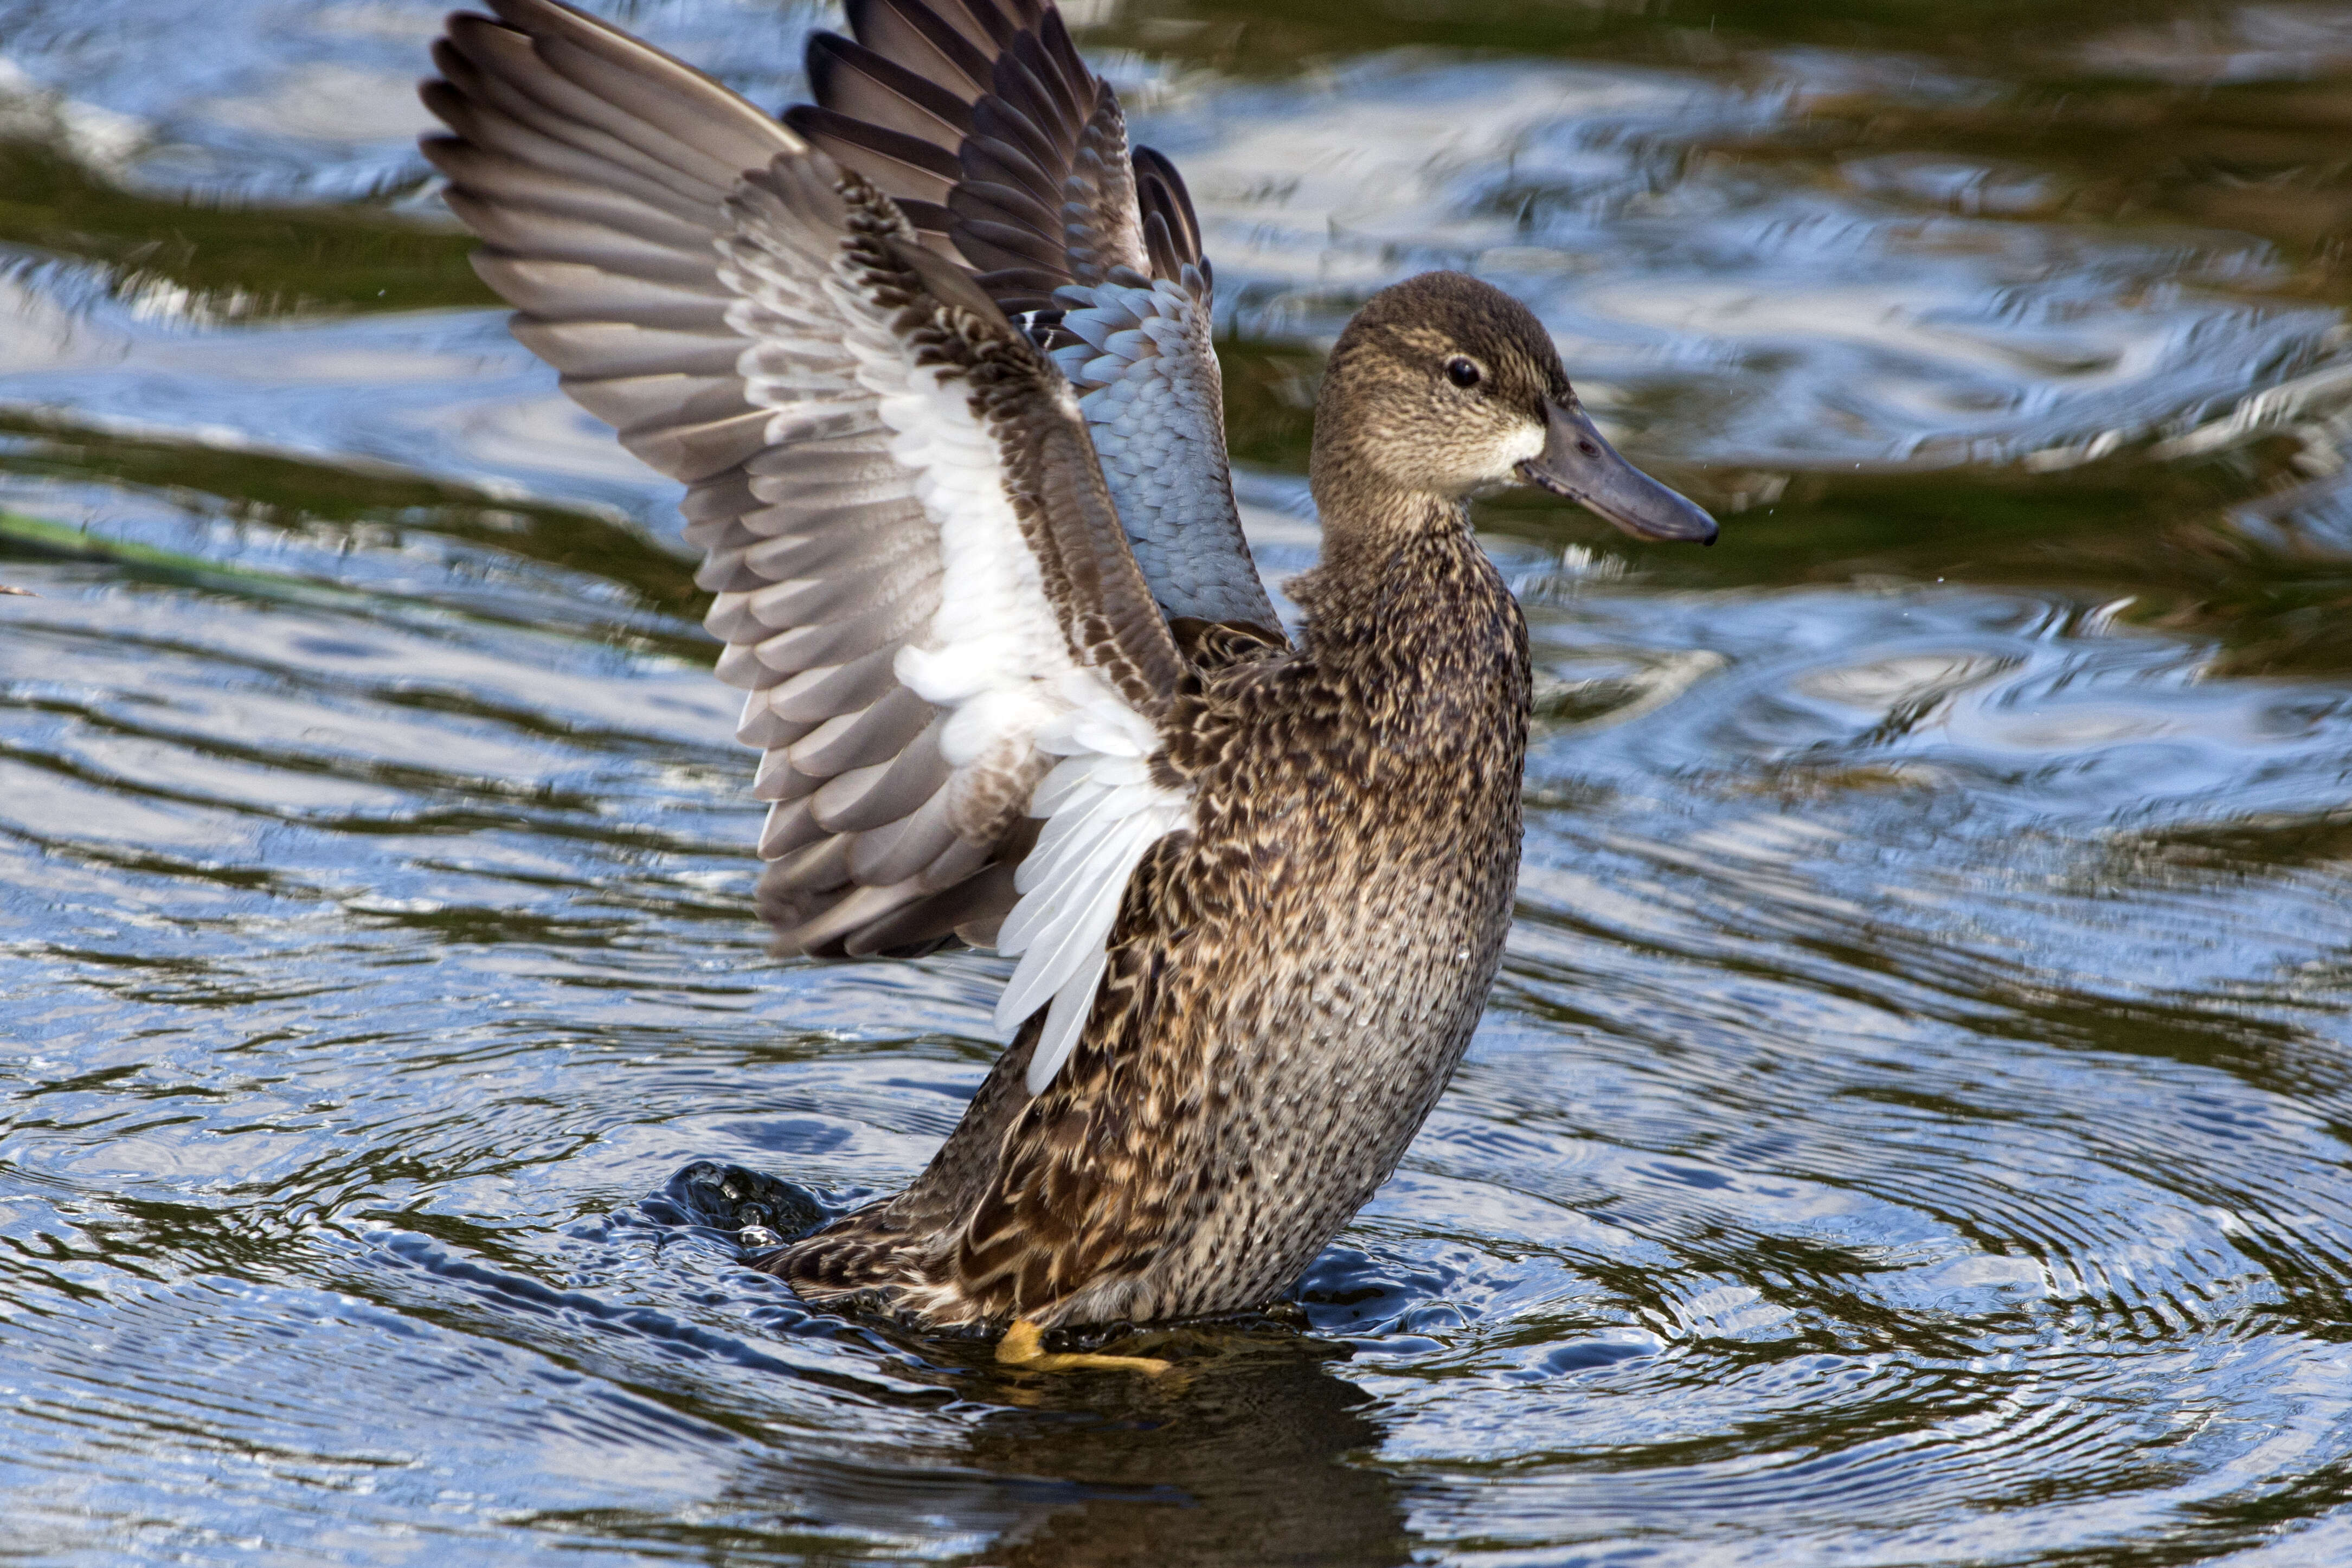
(1464, 371)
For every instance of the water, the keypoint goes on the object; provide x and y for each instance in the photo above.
(1912, 1124)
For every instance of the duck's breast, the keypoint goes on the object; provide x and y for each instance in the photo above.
(1325, 940)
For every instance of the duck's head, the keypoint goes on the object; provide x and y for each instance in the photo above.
(1446, 386)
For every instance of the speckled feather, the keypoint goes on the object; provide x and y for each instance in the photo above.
(1291, 983)
(1290, 986)
(1272, 883)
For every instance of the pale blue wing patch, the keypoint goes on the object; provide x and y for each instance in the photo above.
(1154, 402)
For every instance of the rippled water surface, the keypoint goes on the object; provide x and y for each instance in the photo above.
(1913, 1123)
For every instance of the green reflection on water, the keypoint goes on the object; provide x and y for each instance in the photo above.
(327, 500)
(249, 261)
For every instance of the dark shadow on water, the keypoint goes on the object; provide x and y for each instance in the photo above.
(1242, 1456)
(1240, 1460)
(1246, 1462)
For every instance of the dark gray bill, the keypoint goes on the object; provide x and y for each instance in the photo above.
(1577, 463)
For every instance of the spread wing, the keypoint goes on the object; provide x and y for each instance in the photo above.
(1010, 155)
(920, 578)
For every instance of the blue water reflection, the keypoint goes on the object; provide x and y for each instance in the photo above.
(1910, 1127)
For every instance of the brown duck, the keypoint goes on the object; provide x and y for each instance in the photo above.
(932, 357)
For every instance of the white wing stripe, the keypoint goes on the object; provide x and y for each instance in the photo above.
(1060, 787)
(1082, 859)
(1103, 812)
(994, 655)
(1064, 1023)
(1059, 954)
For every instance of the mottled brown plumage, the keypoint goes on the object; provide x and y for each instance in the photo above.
(1014, 677)
(1292, 983)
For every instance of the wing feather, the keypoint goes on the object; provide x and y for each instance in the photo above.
(920, 578)
(1019, 154)
(856, 81)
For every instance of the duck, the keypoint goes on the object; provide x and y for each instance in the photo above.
(932, 357)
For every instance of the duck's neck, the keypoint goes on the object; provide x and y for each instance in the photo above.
(1406, 613)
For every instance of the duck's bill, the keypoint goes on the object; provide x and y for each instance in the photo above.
(1578, 463)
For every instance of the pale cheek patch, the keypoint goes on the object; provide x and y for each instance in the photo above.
(1506, 455)
(1522, 444)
